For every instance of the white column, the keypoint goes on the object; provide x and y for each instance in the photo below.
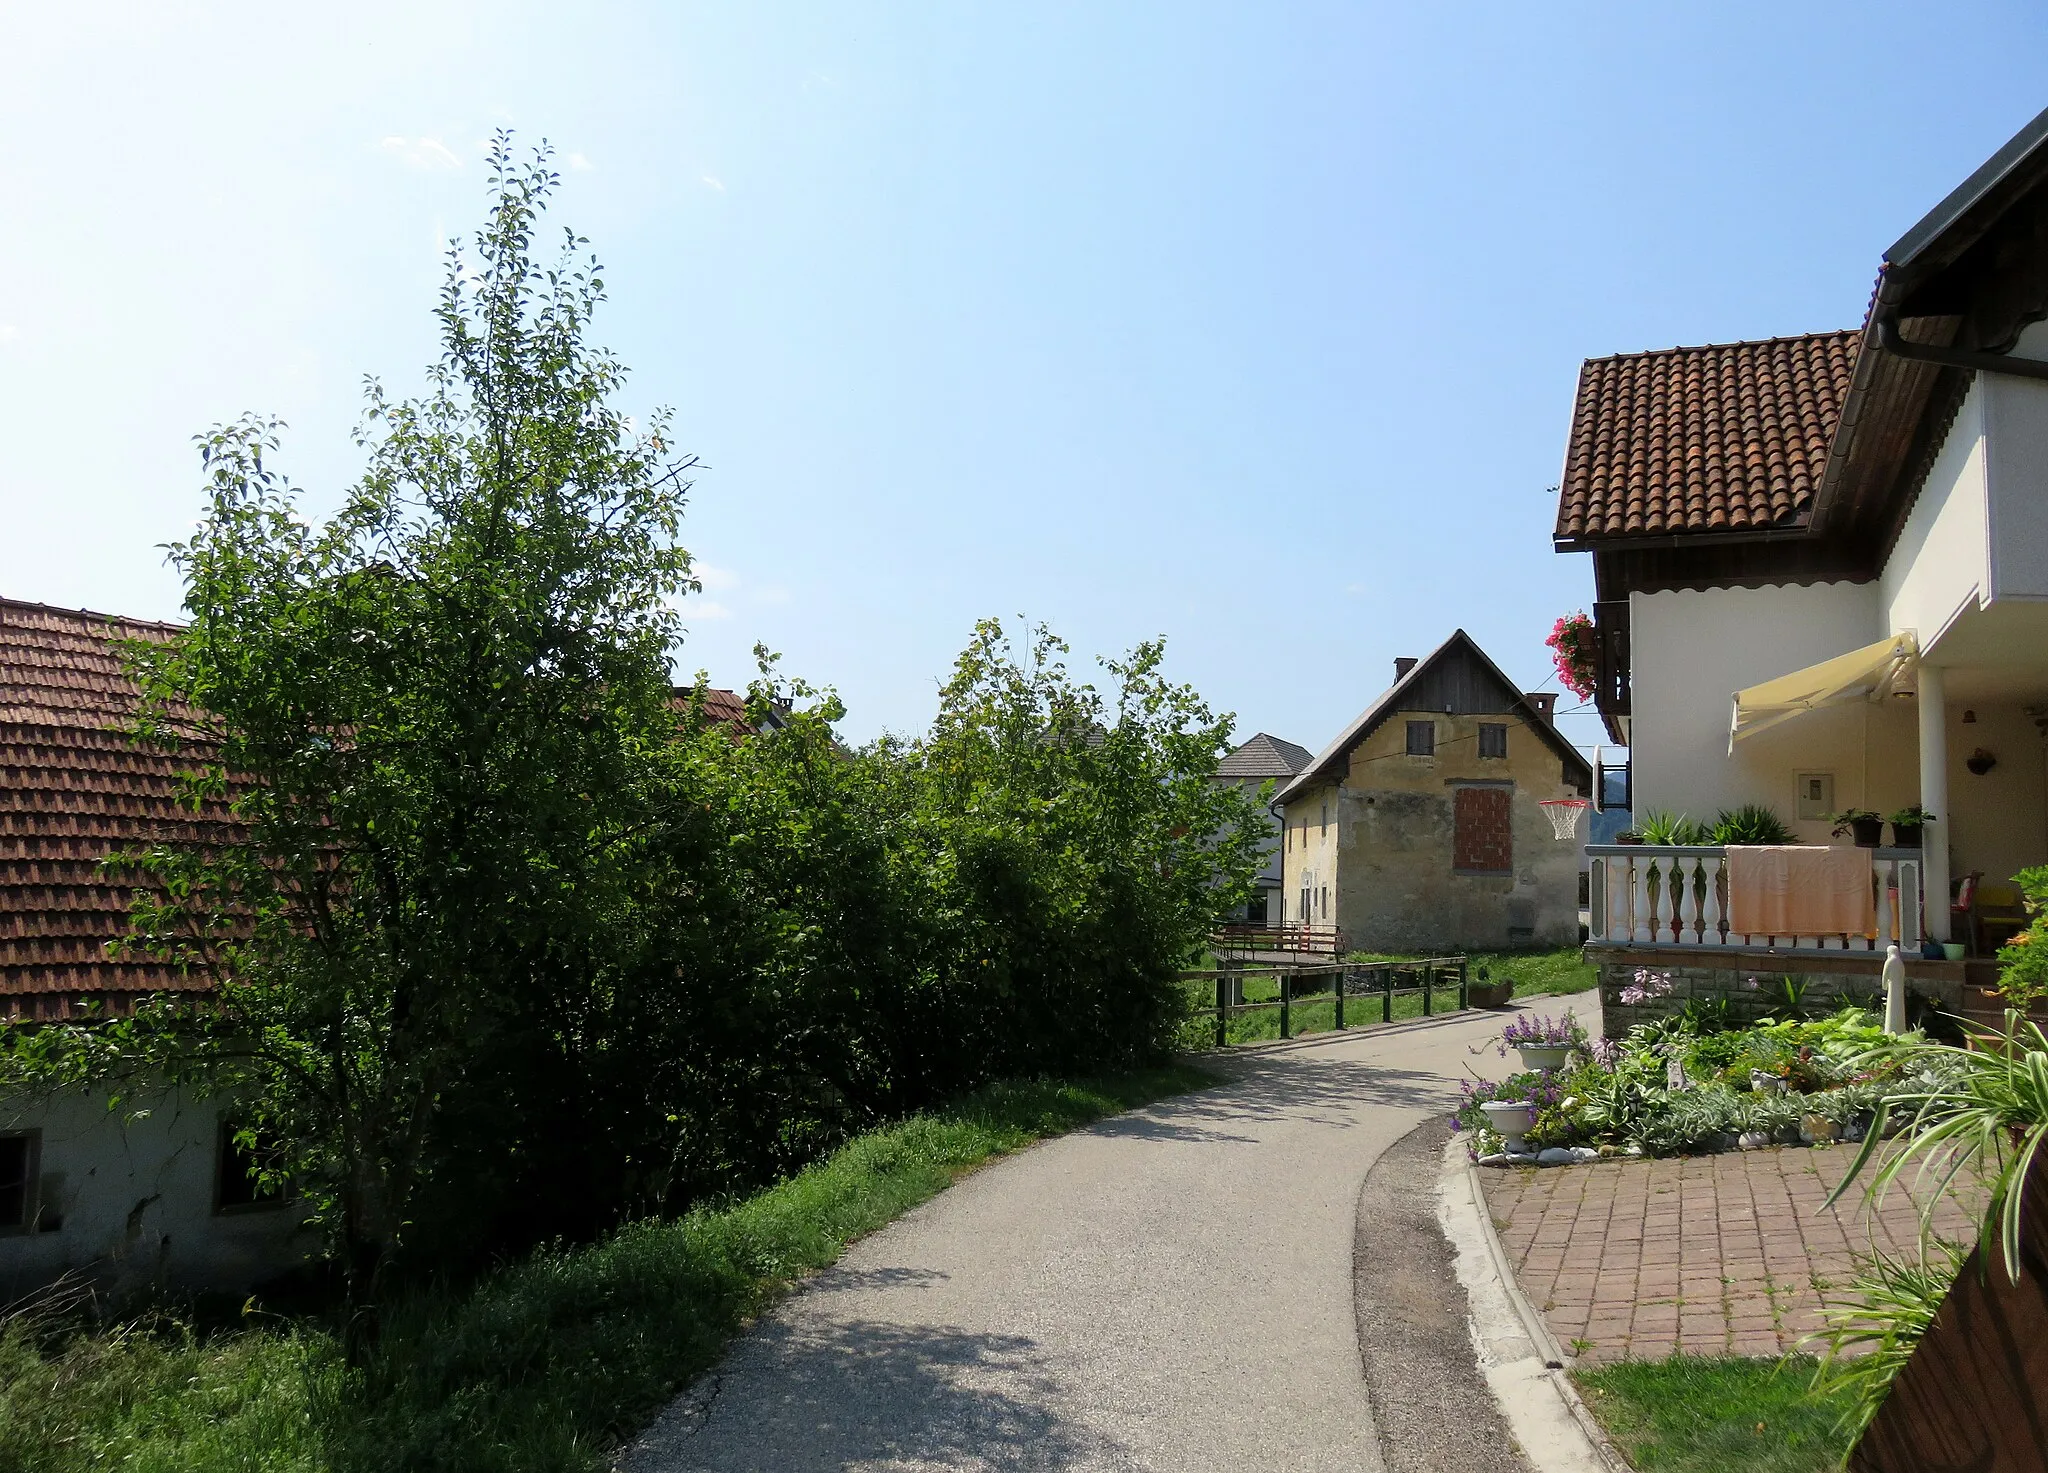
(1933, 704)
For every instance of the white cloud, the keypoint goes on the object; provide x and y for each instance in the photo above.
(707, 608)
(8, 332)
(774, 593)
(1356, 588)
(422, 153)
(715, 182)
(714, 577)
(579, 162)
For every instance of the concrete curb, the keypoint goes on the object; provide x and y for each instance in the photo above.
(1523, 1364)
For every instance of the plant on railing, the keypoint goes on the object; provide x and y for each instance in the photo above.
(1574, 649)
(2024, 959)
(1752, 823)
(1663, 827)
(1864, 825)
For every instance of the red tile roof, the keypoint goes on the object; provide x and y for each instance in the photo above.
(74, 789)
(1724, 438)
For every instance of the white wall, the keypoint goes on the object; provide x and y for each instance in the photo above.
(2016, 439)
(1691, 650)
(1941, 564)
(134, 1188)
(1996, 821)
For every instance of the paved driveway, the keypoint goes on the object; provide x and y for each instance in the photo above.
(1167, 1290)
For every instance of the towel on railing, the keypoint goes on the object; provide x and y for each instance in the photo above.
(1800, 890)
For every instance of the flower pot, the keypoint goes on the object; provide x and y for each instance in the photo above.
(1867, 832)
(1543, 1055)
(1511, 1120)
(1906, 835)
(1753, 1140)
(1818, 1129)
(1766, 1083)
(1490, 994)
(1952, 950)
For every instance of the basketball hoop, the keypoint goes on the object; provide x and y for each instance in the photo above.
(1564, 815)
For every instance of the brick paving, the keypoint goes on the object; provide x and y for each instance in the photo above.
(1722, 1254)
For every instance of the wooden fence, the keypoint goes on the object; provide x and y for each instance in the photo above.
(1442, 982)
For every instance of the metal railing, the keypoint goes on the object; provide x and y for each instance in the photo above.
(1677, 895)
(1435, 979)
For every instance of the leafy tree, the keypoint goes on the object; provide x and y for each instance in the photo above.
(437, 717)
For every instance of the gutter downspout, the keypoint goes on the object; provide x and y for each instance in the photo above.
(1889, 339)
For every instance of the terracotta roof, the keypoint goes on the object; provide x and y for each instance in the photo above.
(1263, 757)
(74, 789)
(1724, 438)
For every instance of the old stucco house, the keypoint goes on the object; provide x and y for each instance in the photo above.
(1419, 828)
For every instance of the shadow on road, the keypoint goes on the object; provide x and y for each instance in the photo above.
(863, 1394)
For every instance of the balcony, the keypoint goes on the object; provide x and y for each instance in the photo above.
(1653, 895)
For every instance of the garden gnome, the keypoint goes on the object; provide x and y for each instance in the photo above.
(1894, 990)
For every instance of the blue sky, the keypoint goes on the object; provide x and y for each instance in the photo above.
(1252, 326)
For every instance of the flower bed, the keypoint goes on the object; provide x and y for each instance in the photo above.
(1691, 1084)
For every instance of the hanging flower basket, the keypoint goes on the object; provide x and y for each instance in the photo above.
(1572, 648)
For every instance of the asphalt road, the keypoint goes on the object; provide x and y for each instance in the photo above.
(1169, 1290)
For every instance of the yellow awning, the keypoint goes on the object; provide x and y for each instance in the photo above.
(1868, 674)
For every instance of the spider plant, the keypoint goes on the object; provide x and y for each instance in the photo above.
(1983, 1108)
(1870, 1330)
(1662, 826)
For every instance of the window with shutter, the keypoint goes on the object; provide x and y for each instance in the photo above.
(1484, 841)
(1422, 739)
(1493, 739)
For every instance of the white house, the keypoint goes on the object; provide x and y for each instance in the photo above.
(1822, 584)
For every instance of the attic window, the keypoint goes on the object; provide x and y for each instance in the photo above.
(1493, 739)
(1422, 739)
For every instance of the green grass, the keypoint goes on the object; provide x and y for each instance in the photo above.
(546, 1366)
(1534, 972)
(1717, 1414)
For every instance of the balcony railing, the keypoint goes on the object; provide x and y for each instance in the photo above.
(1654, 895)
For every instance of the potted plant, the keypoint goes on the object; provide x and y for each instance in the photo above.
(1628, 836)
(1574, 648)
(1484, 992)
(1817, 1129)
(1543, 1043)
(1865, 826)
(1511, 1120)
(1907, 824)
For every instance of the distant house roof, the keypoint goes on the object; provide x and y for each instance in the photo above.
(1456, 675)
(1262, 757)
(74, 789)
(1725, 438)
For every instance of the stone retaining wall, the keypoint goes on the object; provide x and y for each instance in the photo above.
(1730, 978)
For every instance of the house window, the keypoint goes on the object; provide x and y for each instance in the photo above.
(1422, 739)
(1484, 841)
(1255, 909)
(237, 1180)
(1325, 829)
(1326, 902)
(1493, 739)
(18, 1153)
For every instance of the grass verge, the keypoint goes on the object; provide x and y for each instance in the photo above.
(1717, 1414)
(542, 1368)
(1559, 971)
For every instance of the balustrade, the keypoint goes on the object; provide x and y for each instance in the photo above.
(1677, 895)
